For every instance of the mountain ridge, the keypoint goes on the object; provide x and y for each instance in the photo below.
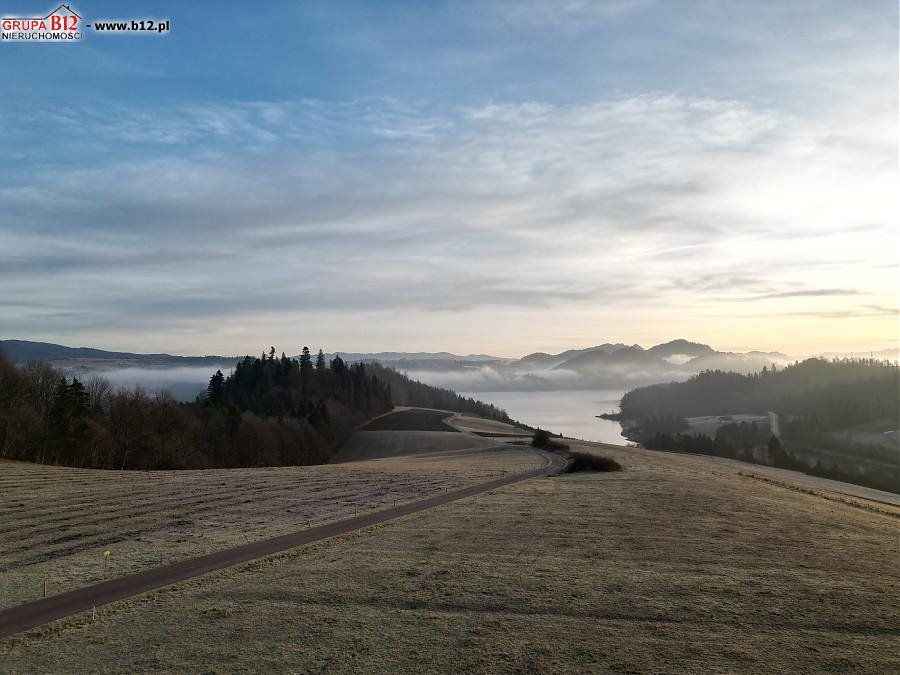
(603, 366)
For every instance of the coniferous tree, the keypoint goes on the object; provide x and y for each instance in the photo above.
(215, 391)
(777, 454)
(306, 370)
(260, 414)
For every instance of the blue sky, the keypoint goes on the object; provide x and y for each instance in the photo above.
(490, 177)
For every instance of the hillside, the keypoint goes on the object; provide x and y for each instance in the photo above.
(604, 366)
(678, 564)
(799, 389)
(835, 418)
(681, 347)
(23, 351)
(267, 411)
(607, 365)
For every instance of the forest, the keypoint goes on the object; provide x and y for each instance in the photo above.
(821, 405)
(837, 393)
(268, 411)
(747, 441)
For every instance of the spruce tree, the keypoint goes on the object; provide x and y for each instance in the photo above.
(215, 391)
(306, 369)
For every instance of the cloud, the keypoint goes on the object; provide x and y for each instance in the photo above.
(804, 293)
(252, 210)
(569, 15)
(867, 310)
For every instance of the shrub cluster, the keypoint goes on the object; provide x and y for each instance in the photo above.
(583, 461)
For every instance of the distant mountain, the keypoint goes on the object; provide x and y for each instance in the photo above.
(680, 348)
(182, 376)
(624, 366)
(603, 366)
(599, 359)
(543, 361)
(23, 351)
(388, 357)
(607, 365)
(539, 360)
(620, 354)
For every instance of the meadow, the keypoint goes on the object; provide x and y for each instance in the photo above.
(674, 564)
(56, 523)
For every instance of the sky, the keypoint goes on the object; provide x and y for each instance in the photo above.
(476, 177)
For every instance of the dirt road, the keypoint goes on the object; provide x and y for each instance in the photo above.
(33, 614)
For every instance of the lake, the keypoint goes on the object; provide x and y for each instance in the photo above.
(571, 413)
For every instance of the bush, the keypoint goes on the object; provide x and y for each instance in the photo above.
(582, 461)
(544, 439)
(541, 438)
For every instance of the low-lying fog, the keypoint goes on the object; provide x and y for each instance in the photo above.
(489, 379)
(184, 383)
(568, 411)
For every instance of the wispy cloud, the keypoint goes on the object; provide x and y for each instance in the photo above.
(867, 310)
(804, 293)
(525, 205)
(672, 191)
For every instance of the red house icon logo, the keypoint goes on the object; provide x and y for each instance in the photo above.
(63, 24)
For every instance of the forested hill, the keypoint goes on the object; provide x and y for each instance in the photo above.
(409, 392)
(838, 393)
(269, 411)
(837, 419)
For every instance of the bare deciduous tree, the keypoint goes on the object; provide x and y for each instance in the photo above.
(41, 380)
(99, 391)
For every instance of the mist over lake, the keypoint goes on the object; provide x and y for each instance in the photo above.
(571, 413)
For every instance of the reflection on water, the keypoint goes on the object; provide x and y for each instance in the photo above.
(571, 413)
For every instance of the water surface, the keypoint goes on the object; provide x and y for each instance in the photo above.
(571, 413)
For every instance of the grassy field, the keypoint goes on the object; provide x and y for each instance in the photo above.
(56, 523)
(411, 419)
(378, 444)
(478, 425)
(675, 564)
(409, 432)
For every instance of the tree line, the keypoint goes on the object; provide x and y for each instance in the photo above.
(746, 441)
(821, 405)
(270, 410)
(760, 447)
(837, 393)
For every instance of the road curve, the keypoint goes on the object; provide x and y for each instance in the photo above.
(33, 614)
